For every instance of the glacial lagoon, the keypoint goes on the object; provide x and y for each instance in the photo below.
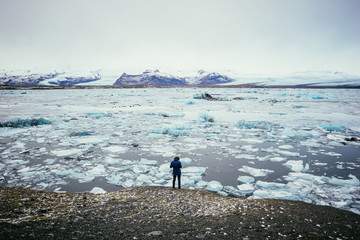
(298, 144)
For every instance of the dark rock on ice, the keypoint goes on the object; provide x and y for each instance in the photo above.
(352, 139)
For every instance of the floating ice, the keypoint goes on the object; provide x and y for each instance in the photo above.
(115, 179)
(204, 117)
(286, 147)
(20, 123)
(331, 128)
(310, 143)
(287, 153)
(246, 189)
(332, 154)
(201, 184)
(277, 159)
(242, 124)
(148, 162)
(272, 185)
(214, 186)
(297, 165)
(128, 183)
(97, 190)
(67, 152)
(116, 149)
(97, 115)
(353, 181)
(194, 170)
(256, 172)
(245, 179)
(98, 170)
(273, 193)
(143, 179)
(233, 192)
(291, 133)
(173, 130)
(185, 160)
(82, 133)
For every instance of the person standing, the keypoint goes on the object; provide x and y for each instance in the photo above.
(176, 166)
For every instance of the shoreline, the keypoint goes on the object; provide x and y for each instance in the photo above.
(161, 213)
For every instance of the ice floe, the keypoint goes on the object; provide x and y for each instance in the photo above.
(256, 172)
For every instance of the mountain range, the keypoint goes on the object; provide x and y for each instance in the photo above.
(198, 78)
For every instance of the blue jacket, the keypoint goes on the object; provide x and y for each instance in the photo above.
(176, 165)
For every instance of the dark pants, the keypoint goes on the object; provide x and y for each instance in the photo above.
(174, 178)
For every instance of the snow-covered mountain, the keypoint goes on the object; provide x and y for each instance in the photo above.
(157, 78)
(27, 78)
(195, 78)
(150, 78)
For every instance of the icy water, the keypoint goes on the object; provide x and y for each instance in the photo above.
(259, 143)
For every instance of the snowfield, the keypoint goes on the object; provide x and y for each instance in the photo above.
(300, 144)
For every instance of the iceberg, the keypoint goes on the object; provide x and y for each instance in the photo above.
(246, 189)
(296, 165)
(173, 130)
(233, 192)
(148, 162)
(67, 152)
(116, 149)
(242, 124)
(20, 123)
(214, 186)
(331, 128)
(256, 172)
(205, 118)
(291, 133)
(271, 185)
(194, 171)
(201, 184)
(353, 181)
(290, 154)
(245, 179)
(97, 190)
(128, 183)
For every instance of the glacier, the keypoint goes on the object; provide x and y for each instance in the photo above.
(255, 143)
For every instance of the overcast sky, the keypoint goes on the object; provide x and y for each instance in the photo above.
(261, 36)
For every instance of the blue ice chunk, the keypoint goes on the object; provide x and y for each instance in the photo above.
(214, 186)
(20, 123)
(330, 127)
(173, 130)
(97, 115)
(242, 124)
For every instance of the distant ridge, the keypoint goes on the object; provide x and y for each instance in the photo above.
(155, 78)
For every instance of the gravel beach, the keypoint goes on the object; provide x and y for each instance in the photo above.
(164, 213)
